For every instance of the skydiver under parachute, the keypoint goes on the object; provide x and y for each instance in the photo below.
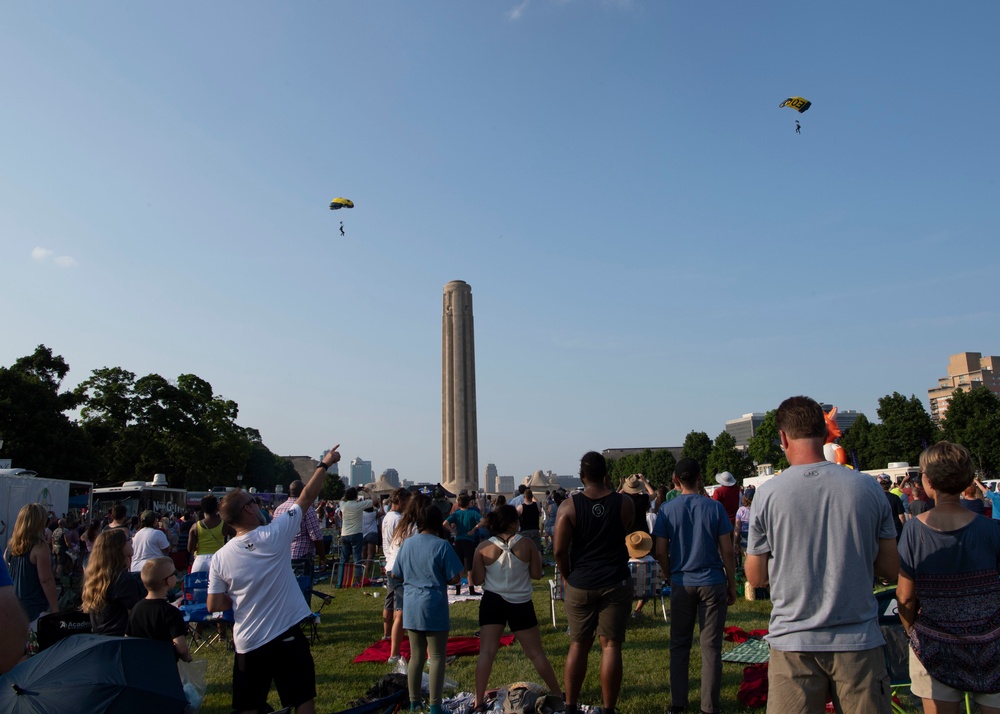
(799, 104)
(337, 204)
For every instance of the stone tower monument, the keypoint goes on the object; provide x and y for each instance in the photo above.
(459, 441)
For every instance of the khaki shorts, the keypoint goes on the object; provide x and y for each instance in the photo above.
(925, 686)
(601, 610)
(857, 682)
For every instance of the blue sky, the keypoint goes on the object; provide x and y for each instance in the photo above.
(650, 246)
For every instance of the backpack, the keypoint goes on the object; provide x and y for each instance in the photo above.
(520, 700)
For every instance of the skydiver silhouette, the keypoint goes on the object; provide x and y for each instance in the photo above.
(342, 229)
(798, 127)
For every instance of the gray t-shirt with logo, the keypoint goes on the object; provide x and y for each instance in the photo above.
(822, 524)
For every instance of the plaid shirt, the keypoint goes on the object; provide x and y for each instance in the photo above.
(309, 531)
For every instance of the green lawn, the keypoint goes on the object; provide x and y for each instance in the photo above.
(353, 621)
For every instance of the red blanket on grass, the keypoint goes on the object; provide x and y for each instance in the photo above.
(379, 652)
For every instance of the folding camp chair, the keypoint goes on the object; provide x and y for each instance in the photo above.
(194, 608)
(557, 592)
(647, 584)
(312, 622)
(357, 575)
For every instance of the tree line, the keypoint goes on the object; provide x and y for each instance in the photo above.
(904, 430)
(129, 428)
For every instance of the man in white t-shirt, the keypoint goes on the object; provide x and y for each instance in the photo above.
(149, 542)
(253, 575)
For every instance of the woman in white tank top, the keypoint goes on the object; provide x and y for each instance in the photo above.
(505, 565)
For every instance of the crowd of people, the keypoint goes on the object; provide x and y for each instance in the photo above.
(818, 535)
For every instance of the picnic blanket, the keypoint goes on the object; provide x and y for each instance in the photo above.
(749, 652)
(379, 652)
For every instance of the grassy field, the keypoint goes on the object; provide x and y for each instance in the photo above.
(353, 621)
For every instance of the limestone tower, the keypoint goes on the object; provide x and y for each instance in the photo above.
(459, 441)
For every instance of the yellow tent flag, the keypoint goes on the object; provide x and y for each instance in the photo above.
(799, 104)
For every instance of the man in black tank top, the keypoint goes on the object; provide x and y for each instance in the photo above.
(593, 560)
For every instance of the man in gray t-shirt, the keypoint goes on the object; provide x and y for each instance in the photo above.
(819, 534)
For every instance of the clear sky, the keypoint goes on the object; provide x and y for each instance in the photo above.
(651, 247)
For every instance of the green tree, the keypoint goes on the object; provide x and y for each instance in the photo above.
(857, 442)
(765, 446)
(657, 466)
(973, 420)
(36, 431)
(905, 430)
(726, 457)
(333, 488)
(698, 446)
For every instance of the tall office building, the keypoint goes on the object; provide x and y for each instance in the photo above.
(391, 476)
(361, 472)
(459, 440)
(745, 428)
(490, 478)
(505, 484)
(966, 371)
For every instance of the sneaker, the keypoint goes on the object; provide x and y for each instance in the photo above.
(396, 659)
(472, 591)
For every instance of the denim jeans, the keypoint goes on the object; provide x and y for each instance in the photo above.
(351, 545)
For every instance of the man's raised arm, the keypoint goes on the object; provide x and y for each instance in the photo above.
(310, 492)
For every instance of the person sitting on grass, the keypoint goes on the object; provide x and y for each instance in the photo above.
(153, 617)
(505, 565)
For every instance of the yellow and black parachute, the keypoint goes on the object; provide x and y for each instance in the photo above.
(341, 203)
(799, 104)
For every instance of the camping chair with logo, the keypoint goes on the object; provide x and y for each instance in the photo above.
(194, 608)
(311, 623)
(647, 583)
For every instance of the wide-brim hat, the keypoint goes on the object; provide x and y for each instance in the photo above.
(725, 479)
(633, 484)
(639, 544)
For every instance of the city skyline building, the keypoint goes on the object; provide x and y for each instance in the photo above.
(745, 428)
(966, 371)
(361, 472)
(391, 476)
(459, 437)
(490, 478)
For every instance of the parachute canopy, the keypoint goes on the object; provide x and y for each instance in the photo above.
(341, 203)
(799, 104)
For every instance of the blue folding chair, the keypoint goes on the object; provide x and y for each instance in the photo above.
(194, 608)
(312, 622)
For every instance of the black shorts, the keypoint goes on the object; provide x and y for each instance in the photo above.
(287, 661)
(465, 550)
(494, 610)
